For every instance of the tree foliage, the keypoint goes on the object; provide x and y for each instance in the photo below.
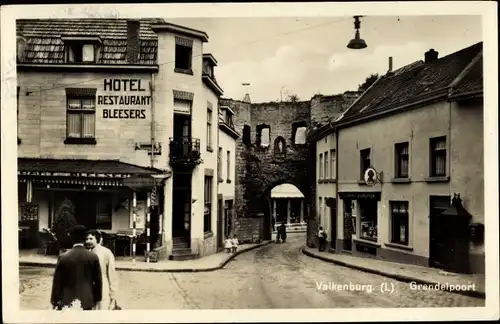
(368, 82)
(64, 221)
(293, 98)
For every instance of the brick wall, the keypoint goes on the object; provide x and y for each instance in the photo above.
(324, 108)
(249, 229)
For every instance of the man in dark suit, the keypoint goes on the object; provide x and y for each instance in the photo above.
(77, 275)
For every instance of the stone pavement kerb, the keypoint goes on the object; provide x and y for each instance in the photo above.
(403, 272)
(212, 262)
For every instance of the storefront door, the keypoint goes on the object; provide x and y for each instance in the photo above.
(349, 229)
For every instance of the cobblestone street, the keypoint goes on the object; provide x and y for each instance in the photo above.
(274, 276)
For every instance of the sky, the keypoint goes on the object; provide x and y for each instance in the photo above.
(307, 56)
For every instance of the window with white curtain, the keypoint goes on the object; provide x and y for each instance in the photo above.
(80, 117)
(438, 157)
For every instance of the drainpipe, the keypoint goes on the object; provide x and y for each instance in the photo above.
(337, 187)
(148, 200)
(152, 90)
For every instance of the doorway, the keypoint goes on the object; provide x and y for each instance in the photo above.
(182, 132)
(181, 208)
(349, 227)
(220, 229)
(332, 204)
(449, 244)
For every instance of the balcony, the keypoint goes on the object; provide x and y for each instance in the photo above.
(185, 152)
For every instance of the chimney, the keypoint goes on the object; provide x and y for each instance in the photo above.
(390, 64)
(431, 56)
(133, 43)
(21, 48)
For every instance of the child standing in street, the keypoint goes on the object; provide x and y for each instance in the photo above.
(228, 244)
(235, 243)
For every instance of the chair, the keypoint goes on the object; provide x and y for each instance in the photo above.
(48, 242)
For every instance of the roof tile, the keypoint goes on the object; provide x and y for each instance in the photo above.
(44, 36)
(412, 83)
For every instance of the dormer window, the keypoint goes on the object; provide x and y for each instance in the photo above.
(227, 116)
(81, 49)
(208, 68)
(81, 53)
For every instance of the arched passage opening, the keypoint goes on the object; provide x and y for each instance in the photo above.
(287, 206)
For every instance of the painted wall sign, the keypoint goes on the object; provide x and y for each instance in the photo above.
(359, 195)
(73, 174)
(124, 85)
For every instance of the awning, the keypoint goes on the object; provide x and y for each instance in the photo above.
(286, 190)
(88, 172)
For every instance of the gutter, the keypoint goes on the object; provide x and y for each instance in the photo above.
(385, 112)
(466, 95)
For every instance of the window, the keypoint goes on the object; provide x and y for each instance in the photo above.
(399, 222)
(183, 54)
(300, 136)
(327, 169)
(80, 115)
(219, 164)
(402, 160)
(368, 222)
(208, 68)
(365, 161)
(246, 135)
(104, 213)
(207, 216)
(299, 130)
(228, 118)
(332, 164)
(228, 163)
(209, 129)
(438, 156)
(320, 209)
(81, 53)
(265, 136)
(321, 166)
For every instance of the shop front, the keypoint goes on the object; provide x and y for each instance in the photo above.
(360, 222)
(121, 200)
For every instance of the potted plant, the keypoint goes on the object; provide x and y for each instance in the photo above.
(64, 221)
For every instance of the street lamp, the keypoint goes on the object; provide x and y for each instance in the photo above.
(357, 42)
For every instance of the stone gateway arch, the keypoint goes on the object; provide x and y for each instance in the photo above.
(273, 150)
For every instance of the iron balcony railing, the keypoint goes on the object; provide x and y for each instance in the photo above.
(184, 150)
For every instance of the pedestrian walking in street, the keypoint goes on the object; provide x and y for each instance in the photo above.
(321, 239)
(278, 235)
(235, 243)
(282, 230)
(228, 244)
(108, 270)
(77, 276)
